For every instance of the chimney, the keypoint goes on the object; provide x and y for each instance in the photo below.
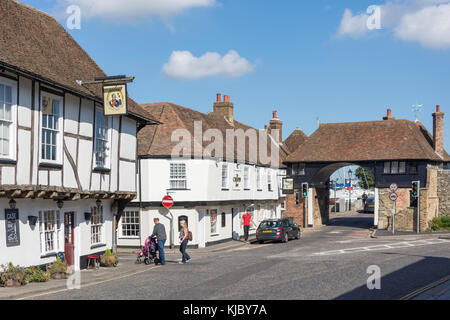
(389, 115)
(438, 131)
(276, 124)
(224, 108)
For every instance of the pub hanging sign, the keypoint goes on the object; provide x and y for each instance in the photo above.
(12, 227)
(115, 99)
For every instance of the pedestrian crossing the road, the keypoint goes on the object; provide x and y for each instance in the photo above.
(389, 246)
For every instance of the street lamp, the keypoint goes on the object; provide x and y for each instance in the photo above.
(350, 173)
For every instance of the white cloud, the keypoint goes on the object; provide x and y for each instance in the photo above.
(424, 21)
(353, 25)
(429, 26)
(184, 65)
(134, 9)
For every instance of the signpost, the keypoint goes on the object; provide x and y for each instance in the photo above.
(168, 202)
(393, 197)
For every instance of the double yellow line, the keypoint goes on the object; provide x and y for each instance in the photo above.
(89, 284)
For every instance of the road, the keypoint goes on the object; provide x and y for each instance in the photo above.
(329, 264)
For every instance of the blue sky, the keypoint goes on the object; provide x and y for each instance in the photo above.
(295, 56)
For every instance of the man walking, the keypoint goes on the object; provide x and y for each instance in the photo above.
(247, 219)
(159, 231)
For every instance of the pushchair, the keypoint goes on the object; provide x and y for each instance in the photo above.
(148, 252)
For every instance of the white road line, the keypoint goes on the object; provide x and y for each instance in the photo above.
(400, 245)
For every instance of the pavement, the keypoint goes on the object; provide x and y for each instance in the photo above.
(331, 262)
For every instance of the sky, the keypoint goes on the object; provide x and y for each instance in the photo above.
(311, 60)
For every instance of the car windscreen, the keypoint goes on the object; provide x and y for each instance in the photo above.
(269, 224)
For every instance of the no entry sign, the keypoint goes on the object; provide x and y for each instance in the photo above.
(167, 202)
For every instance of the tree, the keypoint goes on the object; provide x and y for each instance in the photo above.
(365, 177)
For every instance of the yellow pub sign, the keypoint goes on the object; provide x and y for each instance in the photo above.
(115, 99)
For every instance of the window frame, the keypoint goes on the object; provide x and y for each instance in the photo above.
(223, 217)
(107, 165)
(55, 231)
(177, 179)
(246, 178)
(97, 211)
(59, 132)
(211, 212)
(123, 223)
(397, 165)
(258, 179)
(12, 134)
(269, 181)
(298, 169)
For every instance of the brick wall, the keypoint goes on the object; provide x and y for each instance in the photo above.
(295, 211)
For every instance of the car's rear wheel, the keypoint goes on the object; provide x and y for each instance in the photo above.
(297, 237)
(286, 238)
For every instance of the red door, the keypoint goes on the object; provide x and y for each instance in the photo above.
(69, 242)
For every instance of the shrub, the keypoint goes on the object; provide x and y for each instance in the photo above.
(109, 259)
(12, 275)
(57, 269)
(36, 274)
(441, 224)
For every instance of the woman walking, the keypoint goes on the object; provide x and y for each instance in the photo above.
(184, 240)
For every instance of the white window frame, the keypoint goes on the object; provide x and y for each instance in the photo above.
(177, 180)
(216, 231)
(107, 164)
(97, 227)
(124, 222)
(55, 231)
(246, 178)
(225, 176)
(12, 134)
(258, 179)
(59, 132)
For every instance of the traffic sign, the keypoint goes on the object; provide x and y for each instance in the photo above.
(393, 187)
(393, 197)
(167, 202)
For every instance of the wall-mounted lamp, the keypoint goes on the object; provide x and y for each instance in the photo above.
(32, 220)
(60, 204)
(12, 203)
(87, 216)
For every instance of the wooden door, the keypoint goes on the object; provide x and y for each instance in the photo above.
(69, 241)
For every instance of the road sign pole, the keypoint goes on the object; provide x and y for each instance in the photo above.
(393, 217)
(418, 207)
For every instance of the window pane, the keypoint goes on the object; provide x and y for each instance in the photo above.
(387, 167)
(402, 167)
(8, 94)
(394, 167)
(2, 93)
(8, 107)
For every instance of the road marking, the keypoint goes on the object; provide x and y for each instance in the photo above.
(89, 284)
(424, 289)
(404, 244)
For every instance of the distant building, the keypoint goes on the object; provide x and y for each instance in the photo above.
(210, 193)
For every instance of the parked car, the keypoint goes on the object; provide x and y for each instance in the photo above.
(277, 229)
(370, 205)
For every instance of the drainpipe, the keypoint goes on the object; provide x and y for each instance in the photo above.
(140, 202)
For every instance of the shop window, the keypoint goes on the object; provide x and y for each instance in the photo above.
(97, 225)
(50, 230)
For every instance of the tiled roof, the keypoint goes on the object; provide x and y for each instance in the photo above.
(33, 42)
(157, 141)
(366, 141)
(295, 140)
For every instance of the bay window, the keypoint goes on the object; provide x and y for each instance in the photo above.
(7, 106)
(102, 137)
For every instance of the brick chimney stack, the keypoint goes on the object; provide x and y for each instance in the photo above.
(389, 115)
(225, 108)
(438, 131)
(276, 124)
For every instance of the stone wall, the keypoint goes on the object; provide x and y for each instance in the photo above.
(443, 192)
(321, 205)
